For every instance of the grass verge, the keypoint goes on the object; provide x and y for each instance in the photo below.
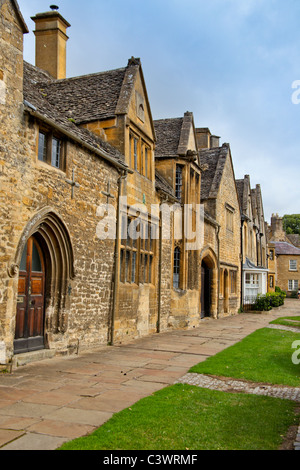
(263, 356)
(183, 417)
(287, 321)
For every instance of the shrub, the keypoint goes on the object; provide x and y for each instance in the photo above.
(262, 303)
(266, 302)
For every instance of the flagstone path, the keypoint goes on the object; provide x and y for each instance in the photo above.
(46, 403)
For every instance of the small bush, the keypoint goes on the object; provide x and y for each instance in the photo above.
(262, 303)
(265, 303)
(294, 294)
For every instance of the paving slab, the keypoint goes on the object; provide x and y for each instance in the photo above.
(7, 436)
(44, 404)
(31, 441)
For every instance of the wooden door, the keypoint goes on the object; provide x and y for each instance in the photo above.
(29, 334)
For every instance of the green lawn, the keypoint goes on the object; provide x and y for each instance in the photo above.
(288, 321)
(183, 417)
(263, 356)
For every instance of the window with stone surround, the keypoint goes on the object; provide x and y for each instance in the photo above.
(137, 252)
(140, 155)
(293, 284)
(229, 217)
(176, 267)
(293, 265)
(233, 282)
(179, 182)
(51, 149)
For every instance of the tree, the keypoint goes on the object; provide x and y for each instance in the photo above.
(291, 223)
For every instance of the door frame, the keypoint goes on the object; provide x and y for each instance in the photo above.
(30, 342)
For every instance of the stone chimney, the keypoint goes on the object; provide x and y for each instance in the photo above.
(203, 136)
(278, 233)
(214, 141)
(51, 42)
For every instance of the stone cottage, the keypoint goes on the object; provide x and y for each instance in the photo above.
(220, 199)
(95, 243)
(253, 242)
(284, 258)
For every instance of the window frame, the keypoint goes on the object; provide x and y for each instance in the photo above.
(294, 284)
(179, 182)
(48, 147)
(293, 262)
(137, 257)
(176, 267)
(229, 218)
(233, 281)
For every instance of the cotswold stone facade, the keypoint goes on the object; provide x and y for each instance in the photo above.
(284, 258)
(253, 242)
(87, 177)
(220, 199)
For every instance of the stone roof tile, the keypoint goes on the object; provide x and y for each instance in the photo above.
(213, 161)
(168, 133)
(284, 248)
(35, 94)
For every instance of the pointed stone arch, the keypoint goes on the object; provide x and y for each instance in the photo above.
(209, 268)
(50, 231)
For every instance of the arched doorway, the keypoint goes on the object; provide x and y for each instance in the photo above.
(206, 293)
(209, 283)
(29, 334)
(44, 263)
(226, 291)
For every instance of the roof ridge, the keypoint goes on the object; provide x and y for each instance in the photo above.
(89, 75)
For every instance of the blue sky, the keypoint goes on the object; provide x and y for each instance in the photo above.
(231, 62)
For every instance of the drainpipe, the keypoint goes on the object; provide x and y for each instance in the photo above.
(218, 290)
(242, 259)
(160, 268)
(159, 277)
(117, 259)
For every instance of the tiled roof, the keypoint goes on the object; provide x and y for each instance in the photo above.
(36, 83)
(214, 161)
(168, 132)
(240, 191)
(284, 248)
(87, 98)
(294, 239)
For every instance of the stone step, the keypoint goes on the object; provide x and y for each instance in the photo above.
(34, 356)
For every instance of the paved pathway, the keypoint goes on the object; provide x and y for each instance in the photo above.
(44, 404)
